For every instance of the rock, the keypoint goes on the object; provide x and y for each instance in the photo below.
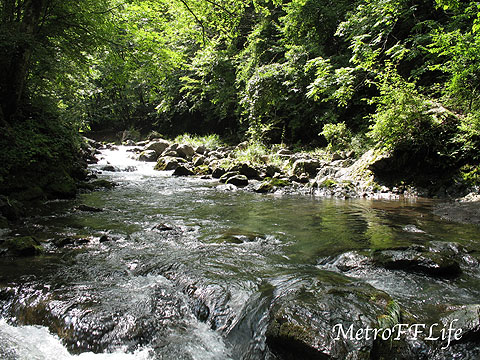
(129, 143)
(148, 155)
(227, 175)
(104, 238)
(61, 186)
(249, 171)
(242, 146)
(234, 236)
(101, 183)
(271, 170)
(418, 259)
(307, 314)
(218, 172)
(181, 170)
(159, 146)
(185, 151)
(199, 160)
(270, 184)
(110, 168)
(169, 163)
(170, 153)
(64, 242)
(337, 156)
(22, 246)
(201, 149)
(162, 227)
(129, 135)
(237, 180)
(306, 166)
(84, 207)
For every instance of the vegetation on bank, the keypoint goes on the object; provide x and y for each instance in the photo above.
(347, 75)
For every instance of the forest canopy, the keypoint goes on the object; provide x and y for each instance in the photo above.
(396, 74)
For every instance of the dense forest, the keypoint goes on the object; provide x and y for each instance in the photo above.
(400, 75)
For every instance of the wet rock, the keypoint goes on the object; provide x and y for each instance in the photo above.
(148, 155)
(64, 242)
(418, 259)
(159, 146)
(306, 311)
(84, 207)
(199, 160)
(284, 152)
(270, 184)
(101, 183)
(185, 151)
(237, 180)
(22, 246)
(306, 166)
(218, 172)
(228, 175)
(181, 170)
(169, 163)
(104, 238)
(129, 143)
(163, 227)
(235, 236)
(110, 168)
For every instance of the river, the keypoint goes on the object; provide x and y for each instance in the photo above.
(192, 268)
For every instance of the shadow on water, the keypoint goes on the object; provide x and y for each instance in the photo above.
(192, 272)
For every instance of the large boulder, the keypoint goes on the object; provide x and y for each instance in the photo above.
(237, 180)
(169, 163)
(148, 155)
(181, 170)
(307, 166)
(185, 151)
(309, 313)
(159, 146)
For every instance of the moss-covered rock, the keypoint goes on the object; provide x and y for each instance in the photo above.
(22, 246)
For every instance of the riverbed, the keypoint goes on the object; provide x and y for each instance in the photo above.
(188, 268)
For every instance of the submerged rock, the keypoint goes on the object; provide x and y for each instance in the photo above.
(418, 259)
(88, 208)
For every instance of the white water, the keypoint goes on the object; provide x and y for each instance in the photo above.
(37, 343)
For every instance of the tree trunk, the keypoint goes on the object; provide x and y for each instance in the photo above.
(23, 34)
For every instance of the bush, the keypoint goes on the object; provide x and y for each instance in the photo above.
(337, 136)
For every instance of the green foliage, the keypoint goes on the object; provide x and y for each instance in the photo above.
(337, 136)
(392, 317)
(211, 141)
(402, 118)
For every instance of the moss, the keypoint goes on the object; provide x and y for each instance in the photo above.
(202, 170)
(62, 186)
(23, 246)
(327, 184)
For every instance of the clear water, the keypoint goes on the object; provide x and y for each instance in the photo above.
(143, 294)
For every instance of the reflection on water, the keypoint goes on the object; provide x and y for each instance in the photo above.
(221, 249)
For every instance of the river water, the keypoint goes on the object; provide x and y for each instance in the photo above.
(191, 267)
